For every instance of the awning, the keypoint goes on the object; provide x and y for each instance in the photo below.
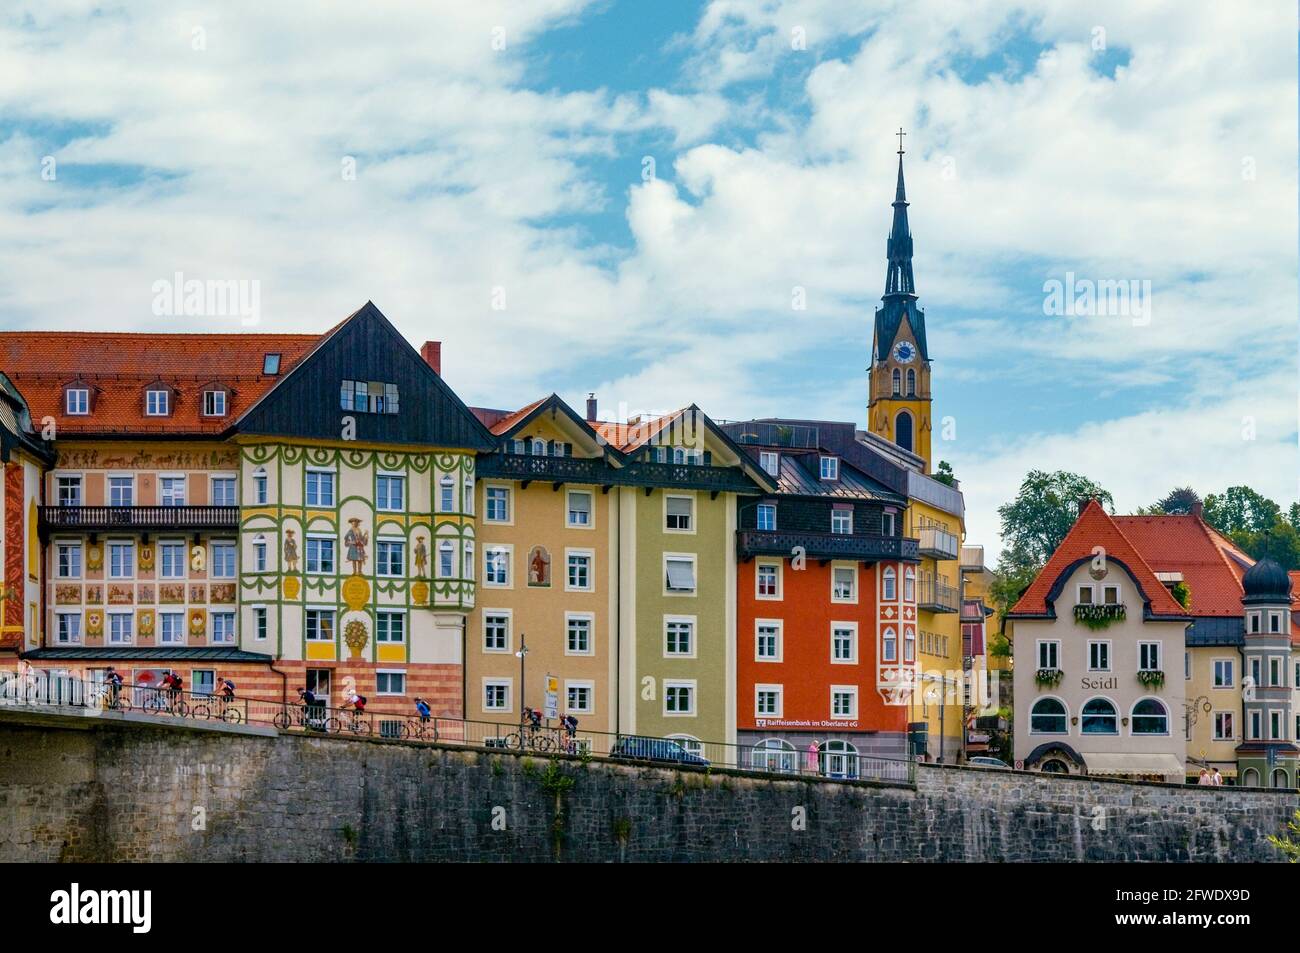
(1165, 765)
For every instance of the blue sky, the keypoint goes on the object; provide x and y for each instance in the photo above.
(1155, 145)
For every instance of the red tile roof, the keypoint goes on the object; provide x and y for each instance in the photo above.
(1095, 527)
(502, 424)
(1185, 544)
(118, 366)
(627, 436)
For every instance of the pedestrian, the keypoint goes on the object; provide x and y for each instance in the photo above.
(1218, 778)
(1205, 777)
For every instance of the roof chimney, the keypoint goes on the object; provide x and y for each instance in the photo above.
(1198, 509)
(431, 351)
(591, 408)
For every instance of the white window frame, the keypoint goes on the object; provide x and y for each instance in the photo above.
(1054, 646)
(184, 558)
(72, 545)
(391, 612)
(852, 628)
(779, 565)
(590, 619)
(160, 407)
(261, 623)
(108, 557)
(82, 406)
(59, 616)
(510, 504)
(390, 672)
(758, 522)
(692, 686)
(690, 620)
(224, 545)
(320, 612)
(778, 691)
(591, 510)
(498, 549)
(852, 568)
(844, 513)
(1231, 683)
(590, 556)
(320, 473)
(165, 478)
(851, 691)
(109, 488)
(508, 615)
(777, 624)
(695, 576)
(384, 504)
(334, 551)
(764, 456)
(1160, 655)
(498, 682)
(582, 683)
(1215, 733)
(110, 615)
(1091, 590)
(691, 517)
(179, 618)
(387, 541)
(1110, 659)
(234, 626)
(218, 397)
(828, 467)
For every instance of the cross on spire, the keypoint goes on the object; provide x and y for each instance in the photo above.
(900, 135)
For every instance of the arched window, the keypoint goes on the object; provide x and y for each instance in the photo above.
(889, 591)
(898, 383)
(1054, 766)
(259, 486)
(889, 646)
(837, 759)
(1099, 717)
(903, 430)
(909, 585)
(468, 495)
(773, 754)
(1250, 778)
(1279, 778)
(539, 447)
(1047, 717)
(692, 744)
(911, 382)
(469, 560)
(446, 559)
(446, 494)
(1150, 717)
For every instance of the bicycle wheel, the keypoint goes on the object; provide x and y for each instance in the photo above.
(181, 709)
(543, 743)
(281, 720)
(359, 726)
(406, 731)
(200, 711)
(232, 716)
(154, 705)
(332, 725)
(514, 741)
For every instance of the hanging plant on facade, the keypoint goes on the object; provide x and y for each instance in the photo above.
(1047, 677)
(1151, 678)
(1098, 616)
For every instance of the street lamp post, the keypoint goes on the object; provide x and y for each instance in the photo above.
(521, 655)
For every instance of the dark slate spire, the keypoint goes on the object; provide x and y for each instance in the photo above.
(900, 286)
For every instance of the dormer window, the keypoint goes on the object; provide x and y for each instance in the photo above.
(77, 401)
(214, 403)
(271, 364)
(830, 468)
(157, 402)
(770, 462)
(368, 397)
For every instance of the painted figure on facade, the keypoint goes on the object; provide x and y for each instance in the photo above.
(356, 540)
(539, 567)
(421, 557)
(290, 551)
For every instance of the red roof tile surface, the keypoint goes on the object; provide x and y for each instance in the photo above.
(118, 367)
(1185, 544)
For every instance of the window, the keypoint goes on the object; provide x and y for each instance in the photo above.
(390, 493)
(390, 683)
(389, 558)
(579, 508)
(121, 560)
(1085, 595)
(223, 560)
(223, 627)
(767, 517)
(69, 560)
(1187, 665)
(1223, 727)
(1254, 622)
(69, 632)
(496, 631)
(1099, 717)
(889, 585)
(842, 520)
(271, 364)
(259, 486)
(1223, 673)
(259, 554)
(679, 574)
(1255, 672)
(498, 504)
(1275, 725)
(767, 641)
(496, 566)
(467, 495)
(368, 397)
(1110, 595)
(679, 698)
(578, 697)
(1150, 718)
(897, 382)
(390, 627)
(1255, 725)
(909, 585)
(1275, 671)
(1148, 656)
(677, 513)
(223, 491)
(496, 696)
(320, 488)
(1047, 717)
(120, 628)
(214, 403)
(909, 645)
(171, 556)
(679, 636)
(577, 634)
(844, 702)
(320, 554)
(770, 462)
(889, 645)
(767, 701)
(155, 403)
(579, 572)
(446, 495)
(69, 491)
(446, 559)
(1275, 622)
(77, 401)
(203, 681)
(842, 584)
(911, 382)
(887, 524)
(259, 623)
(844, 642)
(830, 468)
(171, 491)
(1099, 656)
(320, 625)
(1049, 655)
(768, 576)
(121, 491)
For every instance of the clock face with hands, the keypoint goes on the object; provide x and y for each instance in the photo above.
(904, 352)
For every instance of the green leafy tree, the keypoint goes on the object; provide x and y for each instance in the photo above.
(1181, 500)
(1241, 510)
(1035, 522)
(1289, 841)
(1280, 542)
(944, 474)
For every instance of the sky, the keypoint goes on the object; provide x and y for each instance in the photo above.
(634, 199)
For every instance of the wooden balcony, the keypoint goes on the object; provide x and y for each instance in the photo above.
(137, 519)
(752, 542)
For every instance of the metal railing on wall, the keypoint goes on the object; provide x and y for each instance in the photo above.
(46, 690)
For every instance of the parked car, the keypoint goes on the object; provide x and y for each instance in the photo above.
(638, 748)
(980, 761)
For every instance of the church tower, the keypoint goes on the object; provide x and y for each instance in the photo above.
(898, 407)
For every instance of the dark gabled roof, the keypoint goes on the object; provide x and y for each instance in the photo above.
(798, 477)
(838, 439)
(145, 653)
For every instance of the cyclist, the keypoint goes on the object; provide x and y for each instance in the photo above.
(306, 697)
(570, 725)
(114, 680)
(358, 703)
(227, 690)
(171, 684)
(532, 718)
(422, 707)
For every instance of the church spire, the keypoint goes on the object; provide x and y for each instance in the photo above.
(898, 251)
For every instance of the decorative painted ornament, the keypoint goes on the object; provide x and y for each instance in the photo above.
(356, 637)
(356, 592)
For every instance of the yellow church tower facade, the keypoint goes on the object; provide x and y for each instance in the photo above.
(898, 407)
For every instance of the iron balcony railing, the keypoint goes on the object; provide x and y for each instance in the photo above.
(754, 542)
(524, 466)
(935, 595)
(139, 517)
(50, 691)
(938, 544)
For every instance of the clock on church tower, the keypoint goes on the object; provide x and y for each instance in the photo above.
(898, 407)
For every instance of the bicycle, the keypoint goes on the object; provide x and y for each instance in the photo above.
(532, 737)
(353, 721)
(166, 702)
(418, 729)
(218, 707)
(310, 717)
(112, 699)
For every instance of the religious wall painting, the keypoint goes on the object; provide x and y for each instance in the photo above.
(94, 557)
(539, 567)
(146, 558)
(144, 622)
(198, 622)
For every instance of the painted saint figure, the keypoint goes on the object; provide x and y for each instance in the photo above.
(290, 551)
(421, 557)
(356, 540)
(539, 567)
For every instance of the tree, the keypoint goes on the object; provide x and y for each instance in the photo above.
(1280, 543)
(1035, 522)
(1180, 500)
(945, 474)
(1241, 510)
(1289, 842)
